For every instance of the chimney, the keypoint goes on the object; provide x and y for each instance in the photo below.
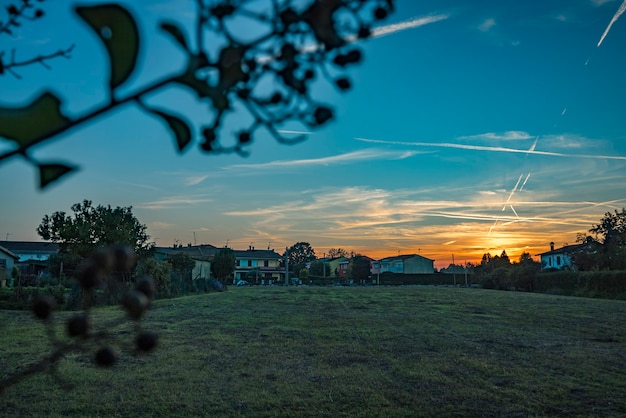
(552, 246)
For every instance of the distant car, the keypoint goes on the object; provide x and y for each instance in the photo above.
(242, 283)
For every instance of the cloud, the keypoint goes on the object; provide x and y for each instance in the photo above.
(173, 202)
(487, 25)
(288, 132)
(504, 136)
(193, 180)
(414, 22)
(362, 155)
(620, 11)
(408, 24)
(161, 225)
(494, 149)
(601, 2)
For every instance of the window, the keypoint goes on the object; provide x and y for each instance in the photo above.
(3, 264)
(558, 260)
(266, 263)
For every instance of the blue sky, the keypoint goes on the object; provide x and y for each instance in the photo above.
(471, 127)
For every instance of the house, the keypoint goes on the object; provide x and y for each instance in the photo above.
(561, 258)
(333, 265)
(200, 254)
(407, 264)
(32, 256)
(258, 265)
(7, 261)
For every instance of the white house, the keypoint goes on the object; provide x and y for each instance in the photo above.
(560, 258)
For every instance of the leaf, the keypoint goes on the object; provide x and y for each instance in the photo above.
(49, 173)
(176, 33)
(118, 31)
(179, 127)
(40, 119)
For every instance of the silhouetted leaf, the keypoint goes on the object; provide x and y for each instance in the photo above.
(37, 120)
(118, 31)
(49, 173)
(176, 33)
(178, 126)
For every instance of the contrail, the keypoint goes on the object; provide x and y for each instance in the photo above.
(524, 184)
(493, 149)
(619, 12)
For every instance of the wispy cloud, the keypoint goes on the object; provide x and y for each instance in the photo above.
(486, 25)
(173, 202)
(415, 22)
(193, 180)
(288, 132)
(408, 24)
(355, 156)
(504, 136)
(494, 149)
(620, 11)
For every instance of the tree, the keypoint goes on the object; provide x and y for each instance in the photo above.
(92, 227)
(360, 268)
(299, 254)
(337, 252)
(183, 265)
(158, 270)
(317, 269)
(609, 243)
(223, 264)
(269, 77)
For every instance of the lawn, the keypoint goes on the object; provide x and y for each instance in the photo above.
(309, 351)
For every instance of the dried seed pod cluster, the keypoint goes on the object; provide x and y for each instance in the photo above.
(79, 327)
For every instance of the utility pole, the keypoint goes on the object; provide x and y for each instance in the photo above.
(286, 266)
(454, 270)
(465, 270)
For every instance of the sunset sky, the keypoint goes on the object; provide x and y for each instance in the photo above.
(471, 127)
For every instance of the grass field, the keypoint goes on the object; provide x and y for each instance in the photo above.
(307, 351)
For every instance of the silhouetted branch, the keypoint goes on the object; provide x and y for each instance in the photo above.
(41, 59)
(272, 75)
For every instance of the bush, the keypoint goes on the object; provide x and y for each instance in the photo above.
(22, 297)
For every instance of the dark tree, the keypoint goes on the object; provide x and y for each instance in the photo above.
(360, 268)
(318, 267)
(299, 254)
(609, 243)
(89, 228)
(337, 252)
(223, 264)
(183, 266)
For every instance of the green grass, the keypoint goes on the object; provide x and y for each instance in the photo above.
(407, 351)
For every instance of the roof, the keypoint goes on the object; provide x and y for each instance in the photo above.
(30, 246)
(8, 252)
(404, 257)
(193, 251)
(568, 249)
(257, 254)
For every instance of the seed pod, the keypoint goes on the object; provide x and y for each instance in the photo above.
(147, 341)
(106, 357)
(43, 307)
(78, 325)
(102, 259)
(146, 286)
(135, 304)
(90, 275)
(124, 258)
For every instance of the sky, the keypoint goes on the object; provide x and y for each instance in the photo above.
(471, 127)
